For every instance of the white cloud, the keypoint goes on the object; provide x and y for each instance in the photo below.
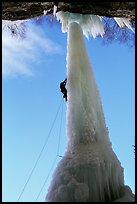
(18, 55)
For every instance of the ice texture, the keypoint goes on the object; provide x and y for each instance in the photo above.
(87, 123)
(54, 10)
(45, 12)
(122, 22)
(89, 171)
(91, 24)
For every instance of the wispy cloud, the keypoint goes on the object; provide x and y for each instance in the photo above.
(18, 55)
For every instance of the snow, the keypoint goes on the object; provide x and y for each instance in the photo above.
(90, 170)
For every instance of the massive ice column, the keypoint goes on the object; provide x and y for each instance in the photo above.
(85, 118)
(90, 171)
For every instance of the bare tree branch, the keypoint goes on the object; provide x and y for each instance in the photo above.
(22, 10)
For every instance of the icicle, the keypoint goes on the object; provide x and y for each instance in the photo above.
(63, 17)
(54, 10)
(45, 12)
(91, 24)
(122, 22)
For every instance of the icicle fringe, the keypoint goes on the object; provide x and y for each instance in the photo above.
(91, 24)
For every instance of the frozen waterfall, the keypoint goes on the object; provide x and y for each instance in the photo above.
(89, 171)
(85, 119)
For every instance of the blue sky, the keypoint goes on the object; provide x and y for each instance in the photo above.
(32, 70)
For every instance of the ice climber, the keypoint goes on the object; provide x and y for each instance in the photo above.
(63, 88)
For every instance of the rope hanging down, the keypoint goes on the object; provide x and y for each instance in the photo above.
(46, 178)
(60, 131)
(40, 153)
(57, 155)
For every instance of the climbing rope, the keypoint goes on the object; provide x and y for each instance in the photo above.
(46, 178)
(60, 131)
(57, 155)
(40, 152)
